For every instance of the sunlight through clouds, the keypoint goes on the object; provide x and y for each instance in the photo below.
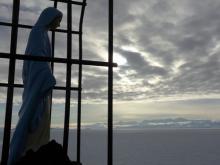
(119, 59)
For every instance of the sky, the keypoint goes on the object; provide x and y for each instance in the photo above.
(167, 51)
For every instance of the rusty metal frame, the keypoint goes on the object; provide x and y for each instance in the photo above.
(69, 61)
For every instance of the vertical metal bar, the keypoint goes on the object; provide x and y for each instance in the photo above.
(68, 76)
(80, 84)
(10, 90)
(110, 84)
(53, 40)
(52, 63)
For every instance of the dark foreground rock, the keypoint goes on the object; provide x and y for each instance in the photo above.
(49, 154)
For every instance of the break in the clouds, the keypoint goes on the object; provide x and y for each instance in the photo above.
(165, 48)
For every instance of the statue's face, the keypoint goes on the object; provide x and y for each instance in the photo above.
(55, 23)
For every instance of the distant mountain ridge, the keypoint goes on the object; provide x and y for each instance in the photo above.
(153, 123)
(159, 123)
(171, 123)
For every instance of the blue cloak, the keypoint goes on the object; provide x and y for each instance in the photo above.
(38, 82)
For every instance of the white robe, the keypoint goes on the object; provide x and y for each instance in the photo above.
(33, 126)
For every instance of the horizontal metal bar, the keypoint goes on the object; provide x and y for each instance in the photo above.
(22, 86)
(30, 27)
(57, 60)
(72, 2)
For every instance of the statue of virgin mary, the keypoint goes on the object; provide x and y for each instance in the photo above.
(33, 127)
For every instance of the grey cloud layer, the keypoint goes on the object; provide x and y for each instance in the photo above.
(168, 32)
(174, 47)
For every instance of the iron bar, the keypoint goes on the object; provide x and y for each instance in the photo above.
(80, 84)
(71, 2)
(68, 77)
(22, 86)
(10, 89)
(110, 84)
(30, 27)
(53, 42)
(52, 63)
(57, 60)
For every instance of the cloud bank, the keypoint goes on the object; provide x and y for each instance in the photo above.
(170, 48)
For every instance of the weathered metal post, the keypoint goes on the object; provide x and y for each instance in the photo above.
(110, 84)
(10, 90)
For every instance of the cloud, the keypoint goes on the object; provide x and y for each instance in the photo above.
(171, 47)
(137, 62)
(177, 41)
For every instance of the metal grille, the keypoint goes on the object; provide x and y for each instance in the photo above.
(13, 56)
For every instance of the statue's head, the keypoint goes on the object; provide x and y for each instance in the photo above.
(50, 18)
